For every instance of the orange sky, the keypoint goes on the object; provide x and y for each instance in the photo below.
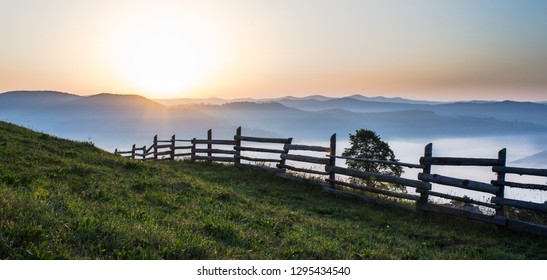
(440, 50)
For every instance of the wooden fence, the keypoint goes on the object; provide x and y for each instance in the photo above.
(318, 165)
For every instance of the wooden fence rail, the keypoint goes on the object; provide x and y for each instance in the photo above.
(312, 163)
(318, 160)
(394, 163)
(259, 157)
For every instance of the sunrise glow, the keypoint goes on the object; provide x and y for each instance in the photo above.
(447, 50)
(163, 57)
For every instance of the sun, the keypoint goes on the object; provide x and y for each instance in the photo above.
(164, 57)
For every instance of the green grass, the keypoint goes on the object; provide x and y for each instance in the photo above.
(67, 200)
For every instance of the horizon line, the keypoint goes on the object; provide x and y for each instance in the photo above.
(303, 96)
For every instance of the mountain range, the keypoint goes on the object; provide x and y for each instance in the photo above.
(112, 120)
(286, 99)
(528, 112)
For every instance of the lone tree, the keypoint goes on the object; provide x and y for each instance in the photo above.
(366, 144)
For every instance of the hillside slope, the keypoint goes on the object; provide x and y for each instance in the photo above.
(70, 200)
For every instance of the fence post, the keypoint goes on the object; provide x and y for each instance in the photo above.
(133, 152)
(500, 182)
(144, 153)
(116, 151)
(332, 161)
(237, 138)
(281, 164)
(193, 151)
(428, 152)
(209, 145)
(156, 147)
(173, 147)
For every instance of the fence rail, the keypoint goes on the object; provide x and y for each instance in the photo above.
(459, 161)
(317, 164)
(394, 163)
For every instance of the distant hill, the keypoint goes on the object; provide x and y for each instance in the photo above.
(221, 101)
(502, 110)
(106, 103)
(202, 101)
(31, 100)
(107, 119)
(392, 99)
(536, 160)
(310, 97)
(351, 104)
(319, 124)
(286, 99)
(528, 112)
(117, 100)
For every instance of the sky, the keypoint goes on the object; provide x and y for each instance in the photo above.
(436, 50)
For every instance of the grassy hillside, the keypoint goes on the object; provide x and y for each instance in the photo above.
(62, 199)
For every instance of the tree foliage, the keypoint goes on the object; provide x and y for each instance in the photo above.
(366, 144)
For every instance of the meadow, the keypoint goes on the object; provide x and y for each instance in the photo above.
(61, 199)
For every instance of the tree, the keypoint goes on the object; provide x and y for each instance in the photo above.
(366, 144)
